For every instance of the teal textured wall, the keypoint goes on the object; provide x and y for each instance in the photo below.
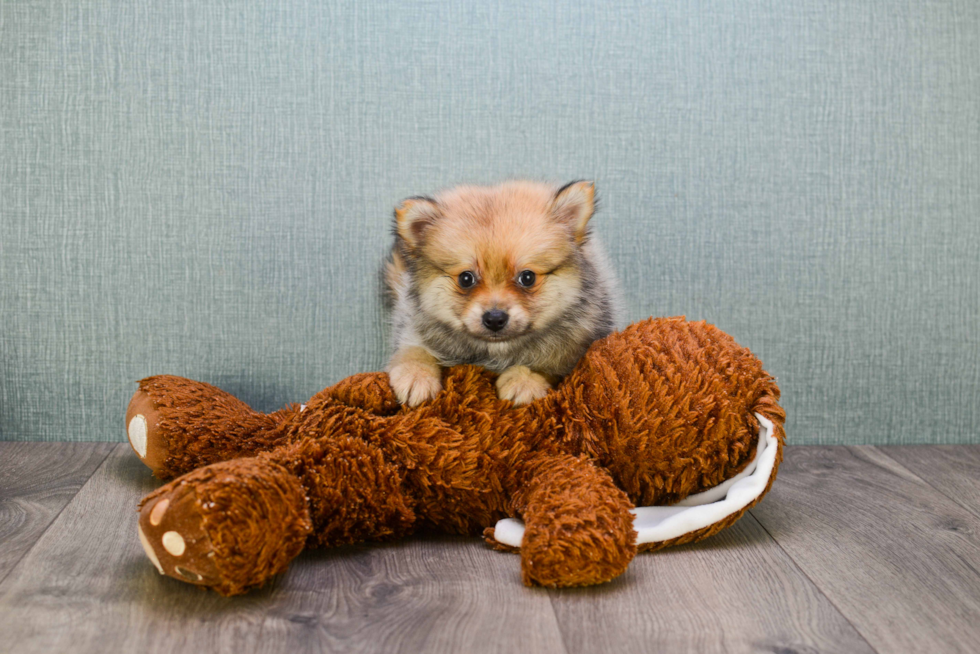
(205, 189)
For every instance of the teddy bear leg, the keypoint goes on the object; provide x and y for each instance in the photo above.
(229, 526)
(232, 525)
(354, 494)
(578, 525)
(176, 425)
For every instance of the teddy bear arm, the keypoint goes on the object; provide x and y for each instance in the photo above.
(368, 391)
(578, 525)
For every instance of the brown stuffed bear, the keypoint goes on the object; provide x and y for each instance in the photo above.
(666, 412)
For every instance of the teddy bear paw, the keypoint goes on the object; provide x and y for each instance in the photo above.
(171, 530)
(229, 526)
(521, 385)
(144, 434)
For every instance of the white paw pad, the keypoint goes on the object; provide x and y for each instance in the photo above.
(174, 543)
(156, 515)
(190, 575)
(137, 434)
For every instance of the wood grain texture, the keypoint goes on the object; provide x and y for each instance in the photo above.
(37, 480)
(850, 552)
(953, 470)
(87, 587)
(899, 559)
(735, 592)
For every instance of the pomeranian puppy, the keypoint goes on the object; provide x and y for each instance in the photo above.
(507, 277)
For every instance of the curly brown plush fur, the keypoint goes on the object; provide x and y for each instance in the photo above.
(649, 416)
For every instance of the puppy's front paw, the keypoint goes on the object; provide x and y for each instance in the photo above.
(521, 385)
(414, 381)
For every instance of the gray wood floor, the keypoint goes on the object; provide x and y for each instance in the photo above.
(856, 549)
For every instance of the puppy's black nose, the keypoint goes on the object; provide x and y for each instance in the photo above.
(495, 320)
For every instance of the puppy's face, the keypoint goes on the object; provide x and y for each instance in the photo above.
(496, 262)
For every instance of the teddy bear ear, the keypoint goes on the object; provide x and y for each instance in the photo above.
(413, 217)
(574, 205)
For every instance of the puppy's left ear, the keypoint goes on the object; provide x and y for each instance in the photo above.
(574, 205)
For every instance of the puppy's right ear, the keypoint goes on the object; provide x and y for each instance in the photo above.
(413, 217)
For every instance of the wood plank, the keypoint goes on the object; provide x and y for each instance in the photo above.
(735, 592)
(899, 559)
(37, 480)
(86, 586)
(953, 470)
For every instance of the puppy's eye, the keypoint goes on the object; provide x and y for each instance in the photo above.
(526, 278)
(466, 279)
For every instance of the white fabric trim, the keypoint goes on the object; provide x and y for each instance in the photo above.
(655, 524)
